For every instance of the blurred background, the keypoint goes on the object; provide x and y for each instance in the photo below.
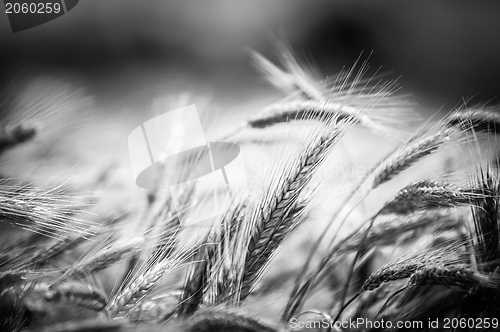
(125, 52)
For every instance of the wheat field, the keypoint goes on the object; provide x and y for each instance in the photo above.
(319, 237)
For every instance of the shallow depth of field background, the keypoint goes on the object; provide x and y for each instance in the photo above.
(126, 52)
(132, 55)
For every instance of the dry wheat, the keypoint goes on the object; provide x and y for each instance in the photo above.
(143, 283)
(409, 155)
(269, 222)
(428, 195)
(48, 212)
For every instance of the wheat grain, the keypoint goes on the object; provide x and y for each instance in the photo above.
(269, 222)
(460, 277)
(409, 155)
(428, 195)
(143, 284)
(407, 266)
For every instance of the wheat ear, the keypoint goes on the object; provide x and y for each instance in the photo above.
(76, 293)
(485, 213)
(409, 155)
(155, 309)
(402, 229)
(417, 147)
(428, 194)
(405, 267)
(143, 283)
(389, 169)
(270, 222)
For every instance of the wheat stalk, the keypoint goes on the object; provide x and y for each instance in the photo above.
(346, 97)
(485, 212)
(196, 281)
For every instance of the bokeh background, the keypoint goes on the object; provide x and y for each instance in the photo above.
(126, 51)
